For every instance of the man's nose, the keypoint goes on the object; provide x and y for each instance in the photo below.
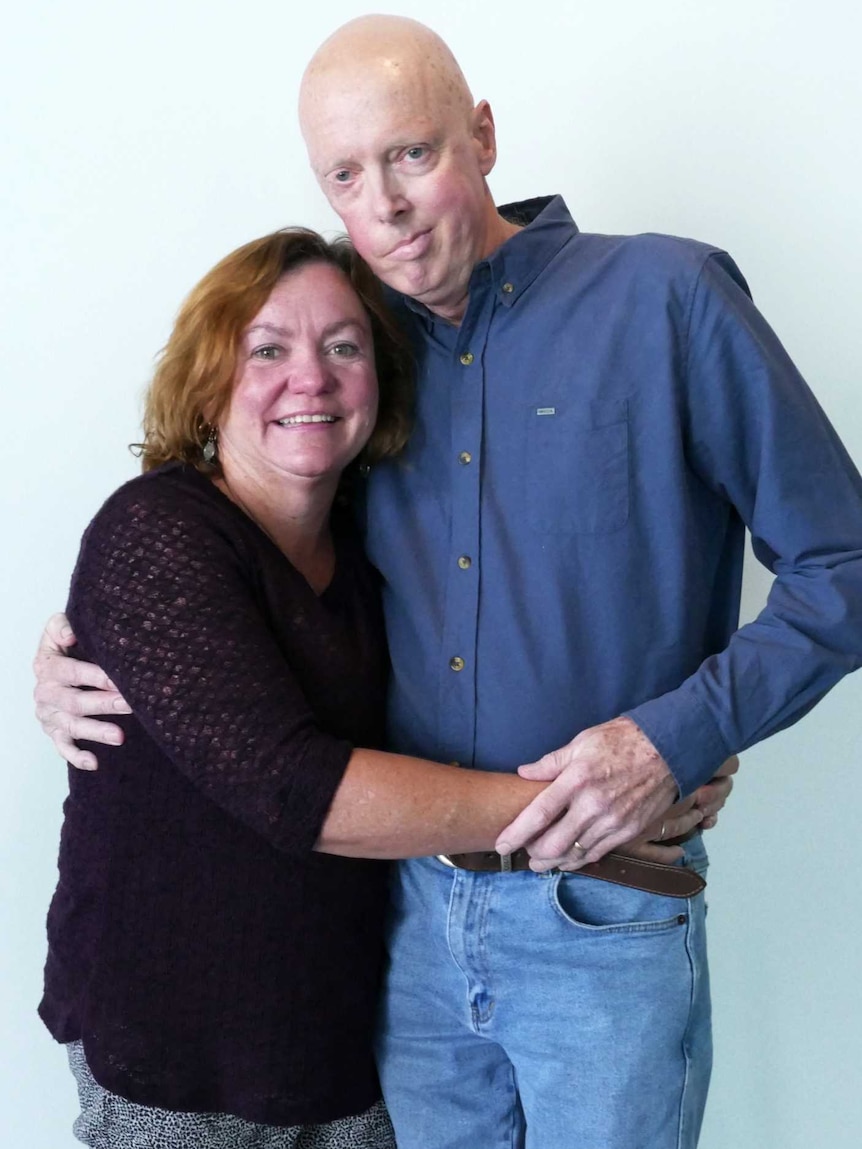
(388, 201)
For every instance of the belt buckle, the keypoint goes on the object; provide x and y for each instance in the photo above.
(505, 863)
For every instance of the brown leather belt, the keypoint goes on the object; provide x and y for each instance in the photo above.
(651, 877)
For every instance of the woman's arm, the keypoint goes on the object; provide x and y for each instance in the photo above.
(394, 806)
(163, 600)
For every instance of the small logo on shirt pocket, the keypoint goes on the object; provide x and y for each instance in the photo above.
(577, 467)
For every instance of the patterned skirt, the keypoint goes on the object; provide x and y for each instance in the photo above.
(109, 1121)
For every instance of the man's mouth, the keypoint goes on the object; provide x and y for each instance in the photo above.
(412, 247)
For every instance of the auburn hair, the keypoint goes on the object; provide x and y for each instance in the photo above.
(194, 376)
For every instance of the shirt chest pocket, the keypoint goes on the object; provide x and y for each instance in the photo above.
(577, 467)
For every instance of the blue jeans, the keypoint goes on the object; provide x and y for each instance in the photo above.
(553, 1011)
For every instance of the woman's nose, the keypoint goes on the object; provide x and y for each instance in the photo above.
(309, 375)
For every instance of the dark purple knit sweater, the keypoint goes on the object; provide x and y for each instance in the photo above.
(209, 960)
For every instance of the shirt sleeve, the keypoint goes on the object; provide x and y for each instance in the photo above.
(757, 437)
(163, 599)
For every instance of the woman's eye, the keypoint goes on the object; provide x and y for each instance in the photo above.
(270, 351)
(343, 350)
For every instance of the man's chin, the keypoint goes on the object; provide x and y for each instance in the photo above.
(406, 278)
(414, 281)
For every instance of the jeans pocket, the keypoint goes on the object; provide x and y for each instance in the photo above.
(577, 468)
(604, 908)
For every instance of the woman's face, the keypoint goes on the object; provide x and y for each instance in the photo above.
(304, 401)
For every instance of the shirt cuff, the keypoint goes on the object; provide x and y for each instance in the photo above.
(686, 735)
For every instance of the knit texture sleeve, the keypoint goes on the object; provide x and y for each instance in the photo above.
(165, 599)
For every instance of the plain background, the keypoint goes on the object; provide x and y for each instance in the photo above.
(146, 141)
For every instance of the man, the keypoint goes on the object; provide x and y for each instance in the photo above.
(562, 547)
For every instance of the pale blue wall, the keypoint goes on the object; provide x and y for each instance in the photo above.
(145, 141)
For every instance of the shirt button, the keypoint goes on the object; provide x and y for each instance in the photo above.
(467, 358)
(464, 562)
(456, 663)
(508, 288)
(464, 458)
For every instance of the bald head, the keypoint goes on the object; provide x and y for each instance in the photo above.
(402, 155)
(401, 57)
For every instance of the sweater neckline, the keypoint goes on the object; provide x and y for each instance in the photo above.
(330, 592)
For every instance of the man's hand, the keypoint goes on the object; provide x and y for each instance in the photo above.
(606, 787)
(60, 703)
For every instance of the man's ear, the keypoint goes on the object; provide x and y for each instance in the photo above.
(484, 136)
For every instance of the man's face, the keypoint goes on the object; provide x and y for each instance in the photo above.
(405, 171)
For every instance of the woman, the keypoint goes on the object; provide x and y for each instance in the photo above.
(213, 964)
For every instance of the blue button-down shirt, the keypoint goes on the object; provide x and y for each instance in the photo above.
(562, 541)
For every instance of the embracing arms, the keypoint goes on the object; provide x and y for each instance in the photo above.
(386, 805)
(165, 598)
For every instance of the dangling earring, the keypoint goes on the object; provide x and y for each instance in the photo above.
(209, 448)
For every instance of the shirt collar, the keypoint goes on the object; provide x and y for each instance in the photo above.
(547, 227)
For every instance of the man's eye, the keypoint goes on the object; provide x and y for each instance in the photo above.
(342, 176)
(416, 152)
(269, 351)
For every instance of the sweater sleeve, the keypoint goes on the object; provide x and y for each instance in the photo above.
(163, 599)
(757, 437)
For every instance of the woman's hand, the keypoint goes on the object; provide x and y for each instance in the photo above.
(697, 812)
(67, 691)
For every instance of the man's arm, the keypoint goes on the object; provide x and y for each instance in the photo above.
(69, 692)
(757, 438)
